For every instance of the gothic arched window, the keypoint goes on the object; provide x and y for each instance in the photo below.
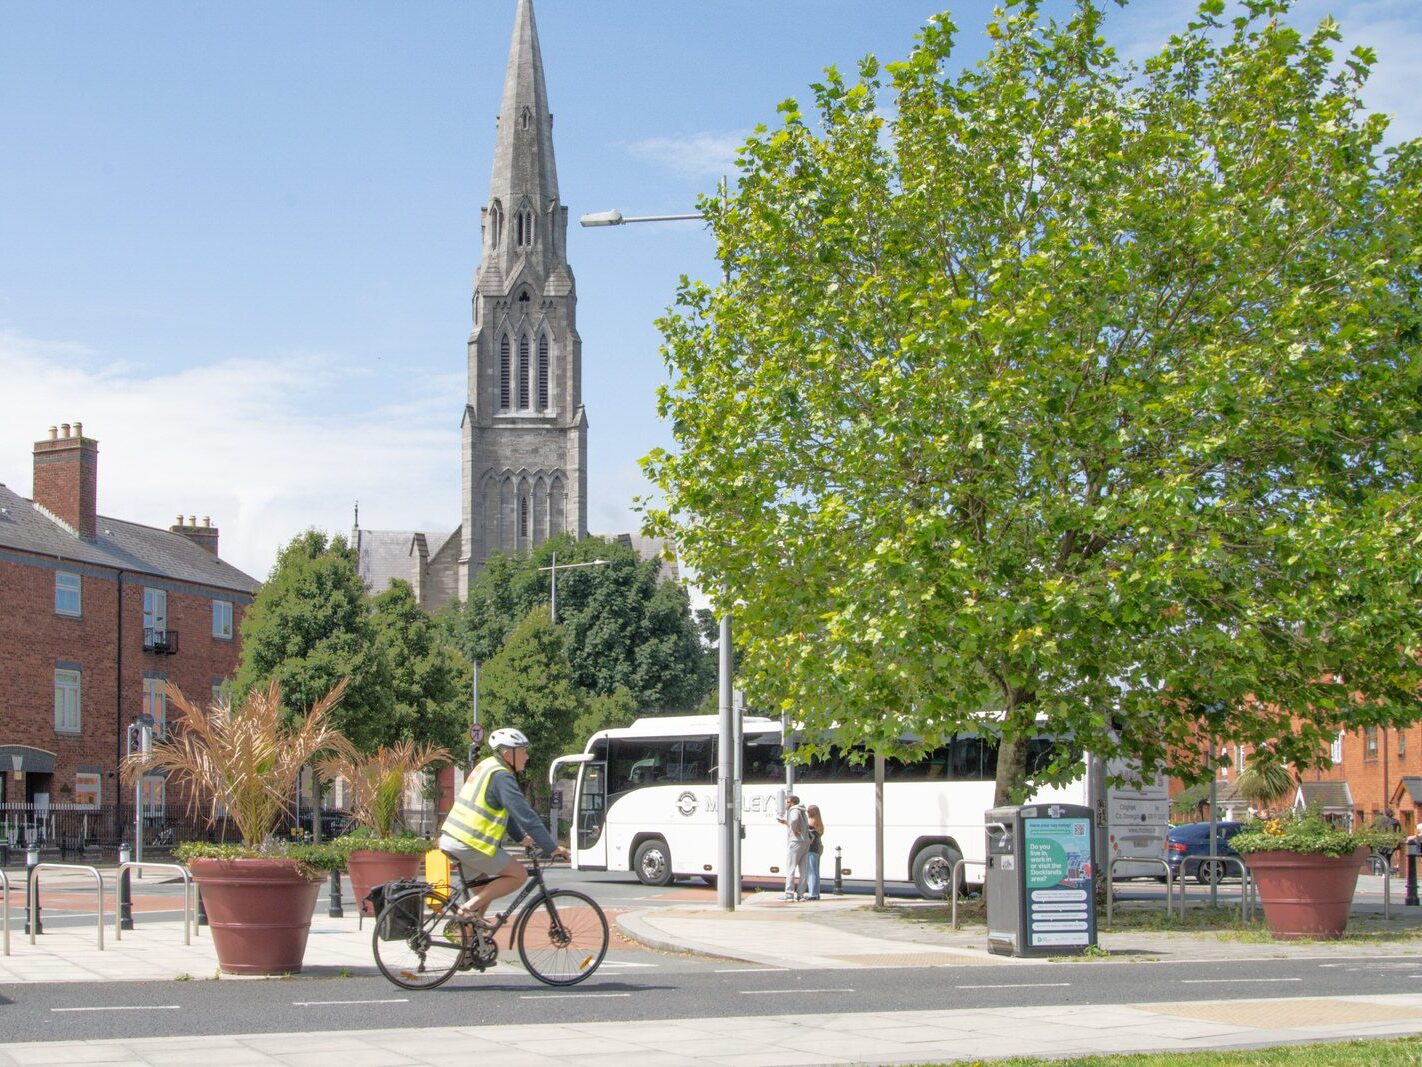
(505, 377)
(523, 228)
(525, 119)
(543, 372)
(523, 372)
(523, 514)
(496, 224)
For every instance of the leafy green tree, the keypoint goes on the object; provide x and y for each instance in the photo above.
(1068, 390)
(529, 685)
(429, 678)
(623, 628)
(607, 712)
(308, 628)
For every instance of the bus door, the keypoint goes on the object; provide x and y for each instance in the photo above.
(591, 809)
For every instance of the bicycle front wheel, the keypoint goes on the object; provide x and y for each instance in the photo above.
(562, 937)
(417, 943)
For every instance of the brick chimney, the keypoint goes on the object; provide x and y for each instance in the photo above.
(204, 536)
(67, 477)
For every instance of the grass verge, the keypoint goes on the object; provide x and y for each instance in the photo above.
(1380, 1053)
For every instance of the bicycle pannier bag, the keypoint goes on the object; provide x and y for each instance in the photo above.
(402, 900)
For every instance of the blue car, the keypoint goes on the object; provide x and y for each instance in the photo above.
(1187, 850)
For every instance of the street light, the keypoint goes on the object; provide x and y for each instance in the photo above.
(729, 733)
(553, 575)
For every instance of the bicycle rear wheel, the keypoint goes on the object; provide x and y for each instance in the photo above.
(562, 937)
(417, 943)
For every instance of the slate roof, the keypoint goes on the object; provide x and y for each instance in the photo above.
(1413, 784)
(1329, 796)
(386, 554)
(119, 545)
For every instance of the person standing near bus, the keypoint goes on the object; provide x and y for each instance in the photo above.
(797, 830)
(817, 848)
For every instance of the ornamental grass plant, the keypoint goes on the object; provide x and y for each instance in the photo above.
(377, 782)
(241, 761)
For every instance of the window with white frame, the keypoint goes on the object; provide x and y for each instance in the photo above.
(155, 703)
(1335, 751)
(87, 789)
(66, 700)
(68, 594)
(155, 609)
(222, 619)
(221, 692)
(154, 791)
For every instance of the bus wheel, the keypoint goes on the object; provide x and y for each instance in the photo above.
(933, 870)
(652, 862)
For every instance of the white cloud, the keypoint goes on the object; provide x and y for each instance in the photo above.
(696, 155)
(258, 444)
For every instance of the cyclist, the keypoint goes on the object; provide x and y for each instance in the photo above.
(489, 803)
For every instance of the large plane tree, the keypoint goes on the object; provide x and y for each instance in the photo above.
(1060, 393)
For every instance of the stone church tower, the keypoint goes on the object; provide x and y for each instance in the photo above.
(524, 431)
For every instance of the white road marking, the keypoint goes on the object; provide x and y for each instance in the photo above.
(563, 996)
(326, 1003)
(1222, 981)
(750, 970)
(1017, 985)
(769, 992)
(627, 963)
(127, 1007)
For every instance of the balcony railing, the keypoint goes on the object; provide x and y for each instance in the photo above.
(161, 642)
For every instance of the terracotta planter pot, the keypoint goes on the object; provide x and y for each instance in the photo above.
(369, 868)
(1305, 895)
(259, 911)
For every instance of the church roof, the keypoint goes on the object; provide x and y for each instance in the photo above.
(384, 555)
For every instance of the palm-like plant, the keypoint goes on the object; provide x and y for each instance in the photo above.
(1264, 781)
(377, 780)
(244, 758)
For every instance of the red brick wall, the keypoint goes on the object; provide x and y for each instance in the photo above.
(1366, 774)
(33, 637)
(67, 480)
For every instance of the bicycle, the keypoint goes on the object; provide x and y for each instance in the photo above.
(420, 942)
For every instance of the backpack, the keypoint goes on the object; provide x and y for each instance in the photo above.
(403, 899)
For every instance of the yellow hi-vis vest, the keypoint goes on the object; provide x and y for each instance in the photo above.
(474, 820)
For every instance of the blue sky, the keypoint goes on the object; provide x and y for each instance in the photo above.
(237, 240)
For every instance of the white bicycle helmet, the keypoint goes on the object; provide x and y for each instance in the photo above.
(508, 737)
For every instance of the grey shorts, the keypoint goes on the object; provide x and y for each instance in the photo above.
(472, 862)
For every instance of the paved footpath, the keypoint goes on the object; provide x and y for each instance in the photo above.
(765, 931)
(802, 1038)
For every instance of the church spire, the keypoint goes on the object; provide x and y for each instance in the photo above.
(523, 152)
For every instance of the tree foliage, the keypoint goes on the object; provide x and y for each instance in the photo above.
(623, 628)
(529, 685)
(430, 680)
(312, 625)
(1065, 389)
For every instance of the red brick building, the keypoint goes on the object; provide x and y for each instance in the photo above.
(96, 614)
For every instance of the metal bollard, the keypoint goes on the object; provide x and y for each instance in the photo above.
(335, 911)
(1413, 848)
(125, 890)
(31, 862)
(202, 909)
(838, 873)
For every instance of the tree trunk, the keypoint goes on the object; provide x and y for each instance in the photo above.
(1012, 755)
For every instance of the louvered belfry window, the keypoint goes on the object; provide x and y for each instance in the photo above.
(505, 376)
(523, 372)
(543, 372)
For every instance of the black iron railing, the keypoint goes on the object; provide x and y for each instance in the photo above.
(161, 642)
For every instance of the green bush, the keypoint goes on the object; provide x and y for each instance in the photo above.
(1309, 832)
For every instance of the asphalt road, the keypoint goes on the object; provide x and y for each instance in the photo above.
(664, 988)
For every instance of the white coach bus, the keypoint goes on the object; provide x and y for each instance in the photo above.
(645, 802)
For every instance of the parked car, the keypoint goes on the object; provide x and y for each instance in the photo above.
(1187, 850)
